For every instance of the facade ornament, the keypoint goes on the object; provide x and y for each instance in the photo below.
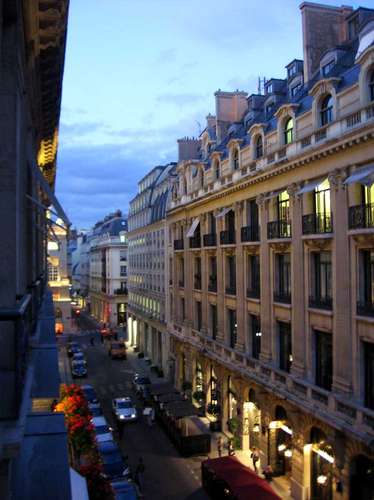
(293, 190)
(325, 86)
(238, 207)
(260, 200)
(336, 179)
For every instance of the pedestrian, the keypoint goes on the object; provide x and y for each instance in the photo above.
(92, 340)
(231, 447)
(115, 336)
(219, 446)
(139, 472)
(255, 458)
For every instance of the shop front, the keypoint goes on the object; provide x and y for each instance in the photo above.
(321, 463)
(280, 443)
(251, 422)
(121, 314)
(214, 402)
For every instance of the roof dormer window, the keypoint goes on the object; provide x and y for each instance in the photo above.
(269, 88)
(292, 71)
(295, 89)
(326, 69)
(269, 109)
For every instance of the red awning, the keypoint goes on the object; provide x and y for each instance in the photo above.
(241, 480)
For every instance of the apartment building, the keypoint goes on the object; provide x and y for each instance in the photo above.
(147, 268)
(271, 251)
(33, 444)
(108, 271)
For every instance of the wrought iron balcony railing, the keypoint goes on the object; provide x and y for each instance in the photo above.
(227, 237)
(279, 229)
(195, 242)
(197, 282)
(282, 296)
(365, 308)
(210, 240)
(178, 244)
(320, 302)
(361, 216)
(250, 233)
(212, 285)
(317, 223)
(253, 293)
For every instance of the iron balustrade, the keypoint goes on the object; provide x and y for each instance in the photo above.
(317, 223)
(361, 216)
(253, 293)
(195, 242)
(227, 237)
(212, 286)
(178, 244)
(279, 229)
(210, 240)
(231, 290)
(320, 302)
(197, 282)
(282, 296)
(365, 308)
(250, 233)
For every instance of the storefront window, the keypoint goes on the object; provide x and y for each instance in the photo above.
(322, 461)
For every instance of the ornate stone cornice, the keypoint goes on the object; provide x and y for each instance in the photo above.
(256, 128)
(286, 109)
(293, 191)
(280, 246)
(324, 86)
(336, 179)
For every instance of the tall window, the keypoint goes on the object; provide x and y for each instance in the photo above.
(52, 273)
(366, 278)
(368, 349)
(326, 69)
(198, 315)
(283, 206)
(321, 278)
(235, 159)
(288, 131)
(213, 320)
(233, 327)
(183, 309)
(259, 147)
(323, 353)
(216, 169)
(285, 346)
(322, 201)
(181, 271)
(283, 277)
(255, 335)
(212, 223)
(231, 274)
(253, 264)
(197, 277)
(123, 271)
(371, 85)
(326, 110)
(212, 285)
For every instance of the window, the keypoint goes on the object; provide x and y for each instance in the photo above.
(197, 277)
(212, 223)
(366, 282)
(212, 285)
(285, 346)
(326, 110)
(283, 277)
(255, 335)
(52, 273)
(201, 177)
(198, 315)
(123, 271)
(328, 67)
(269, 88)
(292, 71)
(213, 320)
(253, 264)
(183, 309)
(123, 255)
(283, 206)
(231, 275)
(216, 170)
(235, 159)
(295, 89)
(371, 85)
(323, 360)
(181, 272)
(288, 131)
(233, 327)
(259, 147)
(270, 109)
(368, 349)
(321, 279)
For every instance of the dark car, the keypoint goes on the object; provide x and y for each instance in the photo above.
(141, 383)
(112, 459)
(78, 368)
(89, 393)
(124, 490)
(73, 347)
(79, 356)
(95, 409)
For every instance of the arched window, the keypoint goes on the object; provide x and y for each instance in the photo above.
(371, 85)
(235, 159)
(216, 170)
(259, 147)
(326, 110)
(288, 131)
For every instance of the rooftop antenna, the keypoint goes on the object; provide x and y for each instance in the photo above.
(261, 85)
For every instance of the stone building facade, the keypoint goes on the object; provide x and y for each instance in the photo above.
(271, 263)
(148, 240)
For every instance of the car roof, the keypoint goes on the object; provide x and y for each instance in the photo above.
(99, 421)
(87, 387)
(94, 405)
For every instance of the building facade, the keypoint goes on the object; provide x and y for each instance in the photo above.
(108, 271)
(271, 274)
(147, 269)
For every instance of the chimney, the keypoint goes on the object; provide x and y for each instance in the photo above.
(210, 121)
(230, 107)
(188, 148)
(324, 27)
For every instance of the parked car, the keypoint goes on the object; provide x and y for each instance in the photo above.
(89, 393)
(117, 350)
(140, 382)
(78, 368)
(72, 348)
(124, 409)
(124, 490)
(79, 356)
(95, 409)
(113, 463)
(102, 430)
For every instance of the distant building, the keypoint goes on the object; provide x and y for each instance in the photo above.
(148, 240)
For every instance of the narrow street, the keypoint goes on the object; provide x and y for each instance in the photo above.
(167, 475)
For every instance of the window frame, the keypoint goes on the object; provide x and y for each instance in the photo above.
(288, 135)
(326, 110)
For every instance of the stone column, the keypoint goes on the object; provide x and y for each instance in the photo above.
(220, 285)
(265, 282)
(240, 279)
(298, 284)
(188, 275)
(342, 343)
(204, 277)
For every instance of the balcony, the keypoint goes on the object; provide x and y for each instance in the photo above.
(361, 216)
(231, 290)
(279, 229)
(250, 233)
(320, 302)
(317, 223)
(178, 244)
(195, 242)
(212, 286)
(365, 308)
(253, 293)
(197, 282)
(227, 237)
(282, 296)
(210, 240)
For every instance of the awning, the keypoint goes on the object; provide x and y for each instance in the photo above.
(223, 212)
(193, 227)
(78, 485)
(273, 194)
(180, 409)
(49, 193)
(311, 186)
(363, 175)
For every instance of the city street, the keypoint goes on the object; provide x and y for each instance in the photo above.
(167, 475)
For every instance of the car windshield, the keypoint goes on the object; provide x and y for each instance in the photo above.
(112, 458)
(79, 363)
(124, 404)
(78, 355)
(102, 429)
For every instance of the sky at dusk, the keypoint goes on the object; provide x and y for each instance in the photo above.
(139, 74)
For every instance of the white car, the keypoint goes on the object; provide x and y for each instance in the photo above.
(124, 409)
(102, 430)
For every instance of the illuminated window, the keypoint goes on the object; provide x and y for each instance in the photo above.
(52, 245)
(288, 131)
(326, 110)
(52, 273)
(235, 159)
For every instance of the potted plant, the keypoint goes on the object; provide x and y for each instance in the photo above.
(199, 396)
(214, 410)
(233, 425)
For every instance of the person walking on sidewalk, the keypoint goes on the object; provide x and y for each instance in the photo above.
(92, 340)
(139, 471)
(219, 446)
(255, 458)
